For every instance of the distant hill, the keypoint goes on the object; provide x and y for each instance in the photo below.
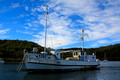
(12, 50)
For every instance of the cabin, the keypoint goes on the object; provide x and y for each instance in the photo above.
(54, 55)
(79, 55)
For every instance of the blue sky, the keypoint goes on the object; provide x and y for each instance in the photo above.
(25, 20)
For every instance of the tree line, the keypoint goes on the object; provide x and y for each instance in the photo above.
(111, 52)
(12, 50)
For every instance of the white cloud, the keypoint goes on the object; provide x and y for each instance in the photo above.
(27, 28)
(26, 8)
(94, 45)
(99, 22)
(29, 24)
(60, 27)
(24, 32)
(54, 41)
(4, 37)
(103, 41)
(4, 31)
(15, 5)
(38, 8)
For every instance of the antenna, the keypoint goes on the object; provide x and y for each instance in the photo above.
(82, 37)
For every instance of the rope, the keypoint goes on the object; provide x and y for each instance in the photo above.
(21, 63)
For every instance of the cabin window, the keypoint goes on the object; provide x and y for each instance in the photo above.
(93, 57)
(48, 57)
(36, 56)
(76, 53)
(39, 55)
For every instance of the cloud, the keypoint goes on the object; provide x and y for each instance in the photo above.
(38, 8)
(94, 45)
(100, 19)
(99, 24)
(4, 31)
(60, 31)
(24, 32)
(26, 8)
(103, 41)
(15, 5)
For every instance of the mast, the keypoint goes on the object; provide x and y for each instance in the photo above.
(82, 39)
(46, 29)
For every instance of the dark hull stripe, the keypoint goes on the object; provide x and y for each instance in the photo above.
(60, 64)
(59, 70)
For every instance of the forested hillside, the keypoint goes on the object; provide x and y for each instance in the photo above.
(112, 52)
(12, 50)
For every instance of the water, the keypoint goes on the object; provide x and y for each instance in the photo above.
(109, 70)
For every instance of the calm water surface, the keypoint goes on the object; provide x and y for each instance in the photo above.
(109, 70)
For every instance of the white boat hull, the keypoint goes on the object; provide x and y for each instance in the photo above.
(45, 62)
(31, 66)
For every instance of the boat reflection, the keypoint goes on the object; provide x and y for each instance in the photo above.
(79, 75)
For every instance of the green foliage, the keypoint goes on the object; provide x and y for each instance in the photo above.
(112, 52)
(12, 50)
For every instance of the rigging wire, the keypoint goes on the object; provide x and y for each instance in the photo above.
(57, 41)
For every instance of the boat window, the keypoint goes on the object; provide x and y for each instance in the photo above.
(39, 55)
(93, 57)
(48, 57)
(76, 53)
(36, 56)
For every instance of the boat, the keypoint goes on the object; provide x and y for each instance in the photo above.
(54, 61)
(1, 61)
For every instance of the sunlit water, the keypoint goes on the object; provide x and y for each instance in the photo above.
(109, 70)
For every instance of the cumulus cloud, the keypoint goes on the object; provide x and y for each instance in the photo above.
(15, 5)
(59, 32)
(24, 32)
(103, 41)
(100, 19)
(26, 8)
(4, 31)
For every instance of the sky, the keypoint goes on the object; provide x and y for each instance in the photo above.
(25, 20)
